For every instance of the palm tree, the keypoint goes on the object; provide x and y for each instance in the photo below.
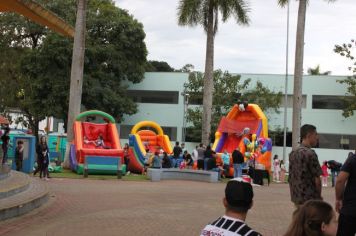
(316, 71)
(206, 13)
(298, 69)
(76, 75)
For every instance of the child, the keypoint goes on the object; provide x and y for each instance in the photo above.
(276, 169)
(324, 175)
(19, 155)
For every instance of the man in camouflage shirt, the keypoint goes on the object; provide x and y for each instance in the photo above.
(304, 168)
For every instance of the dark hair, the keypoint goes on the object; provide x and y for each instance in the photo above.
(200, 145)
(309, 218)
(177, 143)
(275, 157)
(20, 142)
(306, 129)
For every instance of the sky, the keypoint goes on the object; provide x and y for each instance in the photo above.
(258, 48)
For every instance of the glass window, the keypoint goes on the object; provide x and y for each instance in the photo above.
(337, 141)
(290, 101)
(328, 102)
(151, 96)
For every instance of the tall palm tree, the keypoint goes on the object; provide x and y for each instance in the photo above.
(206, 13)
(76, 75)
(298, 70)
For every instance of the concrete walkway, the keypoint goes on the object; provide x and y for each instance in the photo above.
(116, 207)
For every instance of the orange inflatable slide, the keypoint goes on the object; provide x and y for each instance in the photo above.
(245, 126)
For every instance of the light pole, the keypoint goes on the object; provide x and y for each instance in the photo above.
(286, 91)
(185, 111)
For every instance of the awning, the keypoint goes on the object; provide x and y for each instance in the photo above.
(38, 14)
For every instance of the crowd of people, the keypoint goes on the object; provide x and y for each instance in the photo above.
(312, 215)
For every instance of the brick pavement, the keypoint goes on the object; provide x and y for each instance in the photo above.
(116, 207)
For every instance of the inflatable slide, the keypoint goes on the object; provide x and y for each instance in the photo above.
(85, 143)
(245, 126)
(143, 137)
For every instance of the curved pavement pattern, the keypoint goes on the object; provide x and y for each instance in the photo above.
(116, 207)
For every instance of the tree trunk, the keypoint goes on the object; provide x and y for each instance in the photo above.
(76, 76)
(298, 74)
(208, 81)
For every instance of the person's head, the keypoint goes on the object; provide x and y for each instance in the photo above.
(350, 154)
(275, 157)
(182, 145)
(165, 154)
(185, 152)
(225, 151)
(156, 153)
(325, 163)
(147, 150)
(43, 140)
(20, 143)
(281, 162)
(177, 143)
(196, 147)
(126, 145)
(238, 196)
(308, 135)
(314, 218)
(100, 136)
(208, 147)
(200, 145)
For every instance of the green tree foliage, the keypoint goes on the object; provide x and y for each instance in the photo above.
(317, 71)
(347, 50)
(115, 52)
(158, 66)
(228, 90)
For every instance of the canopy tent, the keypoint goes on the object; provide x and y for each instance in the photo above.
(38, 14)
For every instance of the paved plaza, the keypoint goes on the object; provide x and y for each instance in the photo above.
(117, 207)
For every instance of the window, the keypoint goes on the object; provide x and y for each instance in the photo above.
(151, 96)
(171, 132)
(337, 141)
(278, 138)
(290, 101)
(328, 102)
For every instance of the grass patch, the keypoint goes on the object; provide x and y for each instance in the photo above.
(72, 175)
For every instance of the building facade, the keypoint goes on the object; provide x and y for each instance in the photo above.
(160, 98)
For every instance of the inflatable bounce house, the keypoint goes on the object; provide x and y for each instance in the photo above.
(85, 143)
(143, 137)
(245, 126)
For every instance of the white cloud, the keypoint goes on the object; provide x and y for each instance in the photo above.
(259, 48)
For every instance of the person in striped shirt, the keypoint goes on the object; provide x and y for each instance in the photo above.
(237, 201)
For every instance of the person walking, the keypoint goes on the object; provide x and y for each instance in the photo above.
(238, 161)
(238, 201)
(345, 203)
(304, 168)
